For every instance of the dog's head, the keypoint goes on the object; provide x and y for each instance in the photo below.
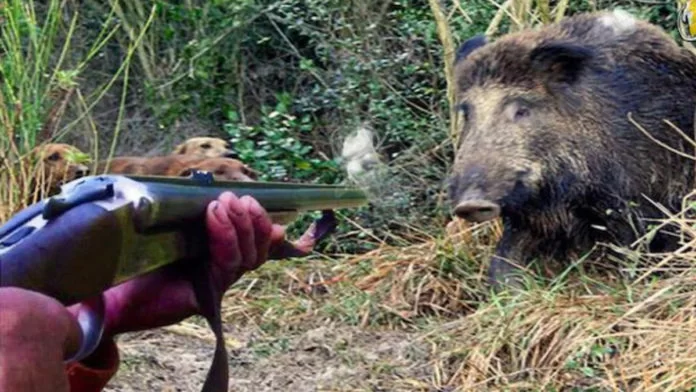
(59, 163)
(205, 147)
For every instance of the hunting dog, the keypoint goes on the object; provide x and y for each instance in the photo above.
(55, 164)
(179, 166)
(205, 147)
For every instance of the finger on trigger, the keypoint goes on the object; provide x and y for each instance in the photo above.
(307, 240)
(285, 250)
(317, 231)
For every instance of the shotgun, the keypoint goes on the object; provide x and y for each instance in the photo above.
(103, 230)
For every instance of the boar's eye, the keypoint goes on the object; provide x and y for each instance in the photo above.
(522, 112)
(516, 111)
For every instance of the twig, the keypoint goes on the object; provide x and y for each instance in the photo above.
(630, 118)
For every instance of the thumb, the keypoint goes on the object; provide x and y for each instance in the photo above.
(318, 230)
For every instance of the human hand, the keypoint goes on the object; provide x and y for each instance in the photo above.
(37, 333)
(241, 238)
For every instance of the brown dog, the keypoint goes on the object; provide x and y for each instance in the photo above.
(180, 166)
(168, 165)
(205, 147)
(222, 169)
(56, 166)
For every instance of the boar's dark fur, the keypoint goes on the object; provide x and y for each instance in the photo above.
(548, 145)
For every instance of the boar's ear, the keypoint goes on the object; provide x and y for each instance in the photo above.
(560, 62)
(469, 46)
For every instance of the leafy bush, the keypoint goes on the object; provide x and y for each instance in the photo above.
(272, 147)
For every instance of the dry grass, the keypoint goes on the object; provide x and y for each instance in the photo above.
(587, 330)
(24, 180)
(388, 286)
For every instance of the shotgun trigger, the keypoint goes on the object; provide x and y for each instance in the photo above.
(90, 317)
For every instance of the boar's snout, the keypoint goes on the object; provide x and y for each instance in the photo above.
(477, 210)
(470, 202)
(479, 193)
(466, 192)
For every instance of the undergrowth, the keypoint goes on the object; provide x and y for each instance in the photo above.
(41, 68)
(287, 81)
(585, 328)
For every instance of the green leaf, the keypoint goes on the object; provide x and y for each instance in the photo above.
(261, 153)
(233, 116)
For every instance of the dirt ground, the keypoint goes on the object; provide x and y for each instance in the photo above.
(327, 358)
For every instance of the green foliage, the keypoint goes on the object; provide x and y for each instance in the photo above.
(200, 43)
(28, 69)
(77, 157)
(42, 65)
(45, 61)
(285, 80)
(288, 80)
(274, 149)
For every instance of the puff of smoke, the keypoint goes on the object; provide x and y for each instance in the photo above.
(359, 154)
(364, 167)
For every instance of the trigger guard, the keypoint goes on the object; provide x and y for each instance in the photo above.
(90, 317)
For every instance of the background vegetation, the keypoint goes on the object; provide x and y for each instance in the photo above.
(287, 81)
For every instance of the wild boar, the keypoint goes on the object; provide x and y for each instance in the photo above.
(548, 144)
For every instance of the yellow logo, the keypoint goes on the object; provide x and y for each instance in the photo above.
(686, 22)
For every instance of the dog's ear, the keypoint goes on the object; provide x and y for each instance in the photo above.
(180, 149)
(36, 152)
(132, 168)
(186, 172)
(251, 173)
(34, 155)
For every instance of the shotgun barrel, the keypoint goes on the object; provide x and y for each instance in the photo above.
(103, 230)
